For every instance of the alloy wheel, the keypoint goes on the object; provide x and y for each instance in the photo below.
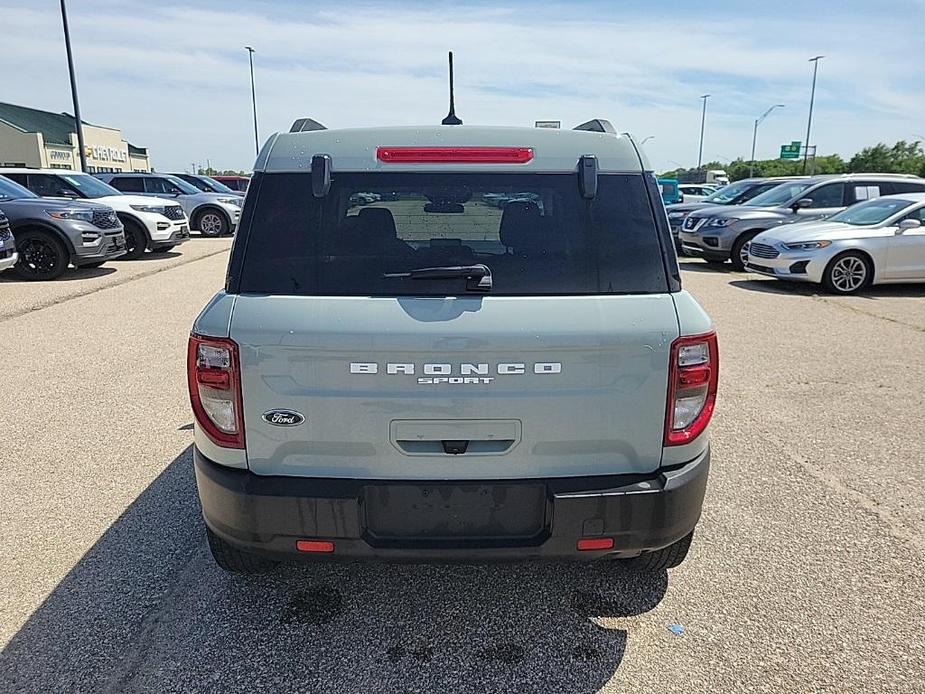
(849, 274)
(210, 224)
(39, 256)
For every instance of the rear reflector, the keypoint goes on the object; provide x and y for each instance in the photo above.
(323, 546)
(454, 155)
(592, 543)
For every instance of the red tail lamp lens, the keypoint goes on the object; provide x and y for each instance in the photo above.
(595, 543)
(318, 546)
(454, 155)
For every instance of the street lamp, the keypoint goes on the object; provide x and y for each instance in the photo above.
(751, 168)
(250, 55)
(809, 121)
(703, 120)
(646, 139)
(70, 68)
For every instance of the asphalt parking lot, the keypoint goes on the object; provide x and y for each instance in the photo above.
(806, 572)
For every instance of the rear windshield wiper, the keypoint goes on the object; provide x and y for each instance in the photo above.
(478, 277)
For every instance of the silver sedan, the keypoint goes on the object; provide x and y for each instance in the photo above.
(874, 242)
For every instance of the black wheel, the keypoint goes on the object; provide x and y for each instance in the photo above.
(135, 241)
(848, 273)
(665, 558)
(41, 255)
(232, 559)
(98, 263)
(211, 222)
(738, 256)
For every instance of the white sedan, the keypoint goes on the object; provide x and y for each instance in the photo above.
(873, 242)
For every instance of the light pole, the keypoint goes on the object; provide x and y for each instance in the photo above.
(703, 120)
(646, 139)
(809, 121)
(250, 55)
(751, 168)
(70, 68)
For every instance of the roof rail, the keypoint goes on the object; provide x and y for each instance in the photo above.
(597, 125)
(304, 125)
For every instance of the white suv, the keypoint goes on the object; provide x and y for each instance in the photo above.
(149, 224)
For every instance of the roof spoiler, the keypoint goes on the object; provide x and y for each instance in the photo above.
(304, 125)
(597, 125)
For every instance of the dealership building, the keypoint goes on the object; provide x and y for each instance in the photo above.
(42, 139)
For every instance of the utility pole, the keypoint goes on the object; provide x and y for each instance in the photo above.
(809, 121)
(70, 67)
(751, 168)
(703, 120)
(250, 55)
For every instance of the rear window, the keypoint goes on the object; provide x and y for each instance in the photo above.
(534, 232)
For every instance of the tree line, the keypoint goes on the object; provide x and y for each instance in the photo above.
(903, 157)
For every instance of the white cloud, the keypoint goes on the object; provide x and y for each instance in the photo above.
(175, 78)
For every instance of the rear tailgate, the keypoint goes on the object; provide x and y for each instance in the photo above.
(480, 387)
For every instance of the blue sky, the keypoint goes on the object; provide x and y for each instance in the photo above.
(174, 75)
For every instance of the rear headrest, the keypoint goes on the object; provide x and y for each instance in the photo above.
(378, 223)
(519, 221)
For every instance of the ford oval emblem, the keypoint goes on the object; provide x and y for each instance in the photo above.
(283, 418)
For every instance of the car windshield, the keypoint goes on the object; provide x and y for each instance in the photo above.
(779, 194)
(871, 212)
(727, 194)
(183, 185)
(13, 191)
(89, 186)
(217, 186)
(411, 234)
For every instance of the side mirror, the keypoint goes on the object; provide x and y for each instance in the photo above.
(907, 224)
(802, 203)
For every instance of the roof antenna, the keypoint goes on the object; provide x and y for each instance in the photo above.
(451, 118)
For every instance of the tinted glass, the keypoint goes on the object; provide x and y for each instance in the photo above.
(866, 191)
(88, 186)
(49, 186)
(908, 186)
(535, 233)
(831, 195)
(217, 186)
(12, 191)
(779, 194)
(128, 184)
(180, 185)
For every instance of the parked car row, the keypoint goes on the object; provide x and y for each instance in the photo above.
(871, 233)
(54, 218)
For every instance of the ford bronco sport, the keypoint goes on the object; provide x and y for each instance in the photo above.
(400, 368)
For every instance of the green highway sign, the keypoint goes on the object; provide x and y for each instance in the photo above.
(791, 151)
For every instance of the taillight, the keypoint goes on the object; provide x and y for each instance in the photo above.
(454, 155)
(692, 378)
(214, 375)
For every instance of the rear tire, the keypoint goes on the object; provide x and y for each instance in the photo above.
(135, 241)
(211, 223)
(234, 560)
(41, 256)
(666, 558)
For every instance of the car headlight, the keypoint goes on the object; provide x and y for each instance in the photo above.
(156, 209)
(83, 215)
(231, 201)
(721, 221)
(807, 245)
(675, 215)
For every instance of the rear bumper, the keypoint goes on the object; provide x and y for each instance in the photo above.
(267, 515)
